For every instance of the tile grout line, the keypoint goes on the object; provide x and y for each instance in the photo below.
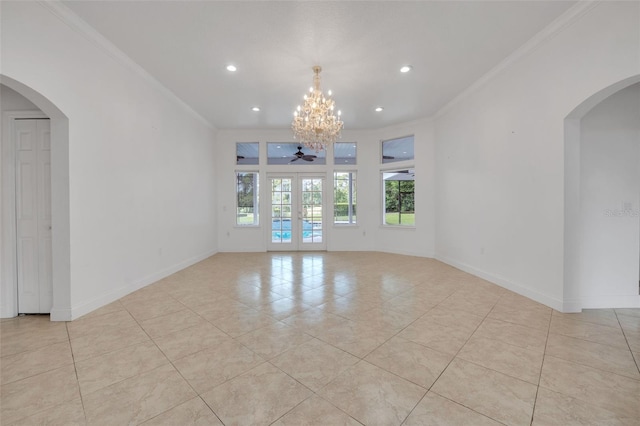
(175, 369)
(201, 276)
(68, 340)
(627, 340)
(75, 370)
(600, 369)
(544, 356)
(265, 361)
(360, 359)
(452, 359)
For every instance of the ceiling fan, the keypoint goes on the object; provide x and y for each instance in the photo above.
(388, 157)
(305, 157)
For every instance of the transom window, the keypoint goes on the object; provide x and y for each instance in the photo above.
(247, 152)
(295, 154)
(399, 149)
(344, 153)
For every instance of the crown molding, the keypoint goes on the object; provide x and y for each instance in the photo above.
(557, 26)
(73, 21)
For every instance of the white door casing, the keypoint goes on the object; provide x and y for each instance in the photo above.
(33, 215)
(297, 212)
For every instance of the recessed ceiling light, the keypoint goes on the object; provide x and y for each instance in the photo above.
(378, 109)
(231, 68)
(255, 109)
(406, 68)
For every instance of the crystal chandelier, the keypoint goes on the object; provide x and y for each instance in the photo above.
(314, 123)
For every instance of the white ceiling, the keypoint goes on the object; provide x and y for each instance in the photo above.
(360, 45)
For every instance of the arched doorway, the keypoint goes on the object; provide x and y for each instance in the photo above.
(59, 126)
(602, 192)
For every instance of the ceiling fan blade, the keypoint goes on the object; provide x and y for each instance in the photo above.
(306, 158)
(388, 157)
(239, 157)
(295, 159)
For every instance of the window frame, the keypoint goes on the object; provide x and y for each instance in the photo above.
(391, 162)
(288, 158)
(352, 198)
(349, 164)
(250, 164)
(408, 170)
(255, 198)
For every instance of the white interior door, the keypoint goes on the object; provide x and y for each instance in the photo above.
(297, 212)
(33, 215)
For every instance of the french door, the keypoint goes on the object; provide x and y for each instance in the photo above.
(297, 212)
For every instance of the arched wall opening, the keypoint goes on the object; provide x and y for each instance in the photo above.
(602, 193)
(61, 255)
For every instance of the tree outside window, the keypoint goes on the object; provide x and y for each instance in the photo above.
(399, 197)
(247, 198)
(344, 198)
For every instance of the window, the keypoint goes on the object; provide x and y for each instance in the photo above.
(399, 149)
(247, 152)
(344, 153)
(399, 200)
(295, 154)
(344, 198)
(247, 198)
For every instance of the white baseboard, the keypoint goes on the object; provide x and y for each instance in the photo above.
(111, 296)
(60, 314)
(505, 283)
(428, 254)
(571, 306)
(618, 301)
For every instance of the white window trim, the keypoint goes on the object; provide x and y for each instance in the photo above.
(256, 199)
(383, 204)
(350, 224)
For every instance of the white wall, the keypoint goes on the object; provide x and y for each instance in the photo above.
(500, 152)
(142, 194)
(369, 234)
(10, 100)
(143, 197)
(421, 240)
(610, 178)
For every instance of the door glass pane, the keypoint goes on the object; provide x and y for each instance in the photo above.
(281, 210)
(312, 229)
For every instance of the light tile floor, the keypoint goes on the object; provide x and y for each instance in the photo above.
(327, 339)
